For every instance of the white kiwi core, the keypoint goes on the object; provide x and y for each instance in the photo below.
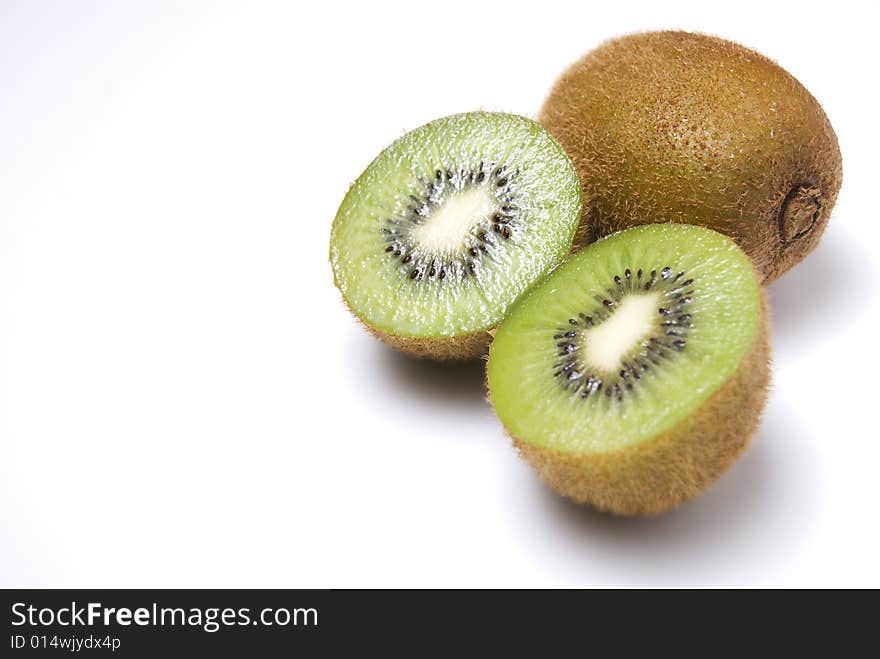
(444, 230)
(605, 346)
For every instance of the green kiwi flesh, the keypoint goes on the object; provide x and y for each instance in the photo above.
(448, 226)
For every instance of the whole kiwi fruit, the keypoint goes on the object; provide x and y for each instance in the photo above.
(689, 128)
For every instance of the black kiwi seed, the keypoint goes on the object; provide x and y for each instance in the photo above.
(671, 335)
(448, 181)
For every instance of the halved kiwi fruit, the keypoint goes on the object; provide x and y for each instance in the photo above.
(448, 226)
(688, 128)
(637, 371)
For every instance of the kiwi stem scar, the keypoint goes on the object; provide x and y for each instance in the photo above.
(801, 210)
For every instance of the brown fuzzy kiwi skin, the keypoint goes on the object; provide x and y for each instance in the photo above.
(664, 472)
(452, 348)
(690, 128)
(474, 345)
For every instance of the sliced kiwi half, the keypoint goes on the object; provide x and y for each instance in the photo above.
(637, 371)
(448, 226)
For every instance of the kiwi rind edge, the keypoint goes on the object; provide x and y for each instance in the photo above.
(451, 348)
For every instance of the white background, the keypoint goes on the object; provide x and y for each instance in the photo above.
(185, 401)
